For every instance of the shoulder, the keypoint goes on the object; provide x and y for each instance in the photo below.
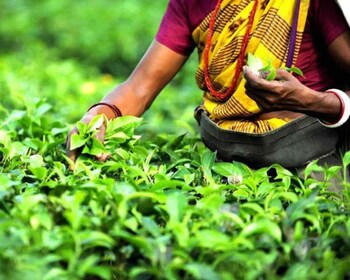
(193, 6)
(179, 21)
(327, 19)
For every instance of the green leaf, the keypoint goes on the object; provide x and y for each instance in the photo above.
(207, 161)
(213, 239)
(226, 169)
(174, 144)
(263, 226)
(76, 141)
(272, 74)
(151, 226)
(82, 127)
(289, 196)
(102, 272)
(176, 206)
(36, 161)
(90, 239)
(96, 123)
(241, 194)
(39, 172)
(97, 147)
(253, 206)
(298, 231)
(296, 70)
(346, 159)
(43, 108)
(127, 124)
(201, 271)
(254, 63)
(312, 167)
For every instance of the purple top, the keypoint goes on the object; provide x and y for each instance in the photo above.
(324, 24)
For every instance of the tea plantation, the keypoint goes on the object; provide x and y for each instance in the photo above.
(162, 207)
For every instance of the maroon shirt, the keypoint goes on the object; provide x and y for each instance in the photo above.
(324, 24)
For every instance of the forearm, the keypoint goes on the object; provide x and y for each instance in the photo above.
(131, 100)
(136, 94)
(325, 106)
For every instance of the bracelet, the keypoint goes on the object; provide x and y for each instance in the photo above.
(344, 109)
(115, 109)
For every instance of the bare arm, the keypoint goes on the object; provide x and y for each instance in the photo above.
(133, 97)
(340, 51)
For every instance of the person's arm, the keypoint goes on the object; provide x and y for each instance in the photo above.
(155, 70)
(133, 97)
(287, 93)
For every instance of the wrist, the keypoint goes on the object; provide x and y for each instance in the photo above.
(108, 109)
(343, 112)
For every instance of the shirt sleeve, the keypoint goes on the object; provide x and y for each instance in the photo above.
(330, 20)
(174, 30)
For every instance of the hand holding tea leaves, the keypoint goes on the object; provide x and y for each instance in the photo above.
(277, 89)
(267, 71)
(98, 136)
(86, 139)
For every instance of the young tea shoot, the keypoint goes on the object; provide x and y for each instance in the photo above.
(267, 70)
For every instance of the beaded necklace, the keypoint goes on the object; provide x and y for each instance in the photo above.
(223, 96)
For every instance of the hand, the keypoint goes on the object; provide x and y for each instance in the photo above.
(100, 135)
(283, 93)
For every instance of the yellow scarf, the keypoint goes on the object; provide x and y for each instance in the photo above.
(269, 41)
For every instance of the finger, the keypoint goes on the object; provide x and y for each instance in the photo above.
(72, 154)
(257, 83)
(254, 92)
(100, 135)
(283, 75)
(249, 74)
(103, 157)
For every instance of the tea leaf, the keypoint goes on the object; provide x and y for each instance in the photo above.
(207, 161)
(96, 123)
(263, 227)
(346, 159)
(201, 271)
(254, 63)
(212, 239)
(176, 207)
(77, 141)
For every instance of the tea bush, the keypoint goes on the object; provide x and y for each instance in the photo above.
(160, 209)
(109, 35)
(162, 206)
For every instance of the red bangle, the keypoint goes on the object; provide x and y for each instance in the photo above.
(115, 109)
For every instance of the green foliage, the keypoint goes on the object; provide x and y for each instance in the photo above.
(162, 206)
(112, 36)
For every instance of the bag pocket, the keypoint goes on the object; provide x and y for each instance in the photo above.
(292, 145)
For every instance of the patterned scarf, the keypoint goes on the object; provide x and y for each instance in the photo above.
(269, 40)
